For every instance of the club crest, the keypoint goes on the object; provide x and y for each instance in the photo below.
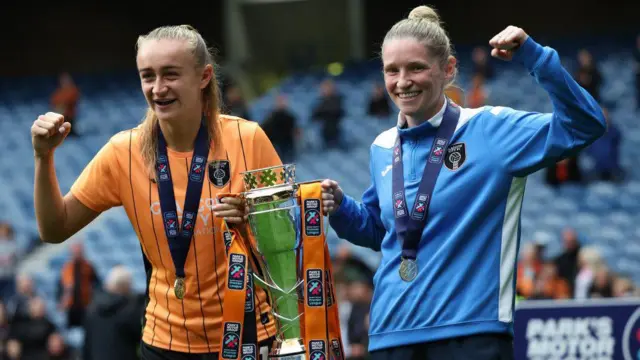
(219, 173)
(455, 156)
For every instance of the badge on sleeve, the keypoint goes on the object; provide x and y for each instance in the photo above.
(219, 173)
(455, 156)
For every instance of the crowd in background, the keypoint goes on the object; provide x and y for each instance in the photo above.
(579, 272)
(109, 312)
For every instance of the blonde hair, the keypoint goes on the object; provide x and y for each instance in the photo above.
(589, 256)
(203, 56)
(423, 24)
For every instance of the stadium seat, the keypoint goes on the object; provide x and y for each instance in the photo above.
(604, 214)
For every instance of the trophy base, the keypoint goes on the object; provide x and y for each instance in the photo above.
(288, 349)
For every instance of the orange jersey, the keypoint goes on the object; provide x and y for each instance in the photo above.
(117, 176)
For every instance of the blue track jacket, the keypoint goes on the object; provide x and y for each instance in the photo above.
(467, 253)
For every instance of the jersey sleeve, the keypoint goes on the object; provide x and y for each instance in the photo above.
(264, 153)
(98, 185)
(525, 142)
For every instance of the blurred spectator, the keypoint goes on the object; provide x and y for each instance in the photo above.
(57, 349)
(529, 267)
(64, 100)
(4, 331)
(478, 94)
(114, 320)
(481, 64)
(33, 334)
(623, 287)
(329, 112)
(75, 288)
(636, 56)
(567, 261)
(360, 292)
(9, 255)
(281, 128)
(18, 304)
(540, 242)
(455, 93)
(564, 171)
(235, 103)
(588, 75)
(379, 103)
(354, 288)
(606, 152)
(14, 350)
(602, 286)
(588, 261)
(344, 308)
(549, 285)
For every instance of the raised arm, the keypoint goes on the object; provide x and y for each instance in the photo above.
(58, 217)
(525, 142)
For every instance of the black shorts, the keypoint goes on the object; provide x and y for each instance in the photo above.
(148, 352)
(476, 347)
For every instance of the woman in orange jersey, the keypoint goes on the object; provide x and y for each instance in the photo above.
(166, 173)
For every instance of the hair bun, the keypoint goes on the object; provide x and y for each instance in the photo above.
(424, 13)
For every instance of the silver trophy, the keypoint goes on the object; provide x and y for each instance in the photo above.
(274, 218)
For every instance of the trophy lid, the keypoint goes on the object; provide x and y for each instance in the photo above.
(269, 177)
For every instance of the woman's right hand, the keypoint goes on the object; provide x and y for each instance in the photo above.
(47, 132)
(331, 196)
(507, 42)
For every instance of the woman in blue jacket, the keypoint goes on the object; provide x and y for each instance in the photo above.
(449, 235)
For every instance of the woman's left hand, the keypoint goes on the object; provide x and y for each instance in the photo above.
(507, 42)
(231, 209)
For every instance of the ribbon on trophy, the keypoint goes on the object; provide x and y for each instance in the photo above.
(333, 319)
(286, 248)
(323, 333)
(239, 326)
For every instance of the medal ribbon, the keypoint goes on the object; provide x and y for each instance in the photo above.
(409, 227)
(179, 235)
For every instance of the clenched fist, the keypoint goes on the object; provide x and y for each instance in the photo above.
(47, 132)
(331, 196)
(507, 42)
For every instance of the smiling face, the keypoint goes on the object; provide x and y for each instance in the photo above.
(414, 80)
(171, 82)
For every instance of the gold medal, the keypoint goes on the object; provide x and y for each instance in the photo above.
(179, 287)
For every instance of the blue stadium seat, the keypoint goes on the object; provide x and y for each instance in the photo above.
(604, 214)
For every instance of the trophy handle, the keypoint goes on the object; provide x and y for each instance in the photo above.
(277, 293)
(274, 287)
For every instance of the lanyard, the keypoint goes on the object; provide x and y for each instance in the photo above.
(179, 236)
(409, 226)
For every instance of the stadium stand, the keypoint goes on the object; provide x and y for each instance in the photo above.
(604, 214)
